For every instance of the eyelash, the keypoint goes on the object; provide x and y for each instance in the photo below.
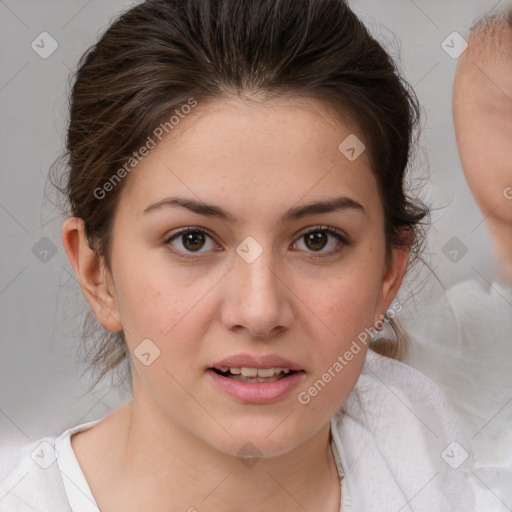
(335, 233)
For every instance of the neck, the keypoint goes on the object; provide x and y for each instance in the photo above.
(162, 463)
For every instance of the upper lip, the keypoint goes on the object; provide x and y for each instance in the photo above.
(256, 361)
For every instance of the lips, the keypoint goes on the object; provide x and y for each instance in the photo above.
(253, 374)
(264, 361)
(256, 379)
(256, 390)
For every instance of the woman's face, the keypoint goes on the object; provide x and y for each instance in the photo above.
(252, 290)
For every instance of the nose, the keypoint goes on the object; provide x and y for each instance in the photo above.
(257, 297)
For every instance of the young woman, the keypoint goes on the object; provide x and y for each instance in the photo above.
(240, 228)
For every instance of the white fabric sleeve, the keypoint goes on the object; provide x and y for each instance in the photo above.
(464, 343)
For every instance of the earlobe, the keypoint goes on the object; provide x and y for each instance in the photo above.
(92, 275)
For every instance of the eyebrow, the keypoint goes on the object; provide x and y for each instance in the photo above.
(335, 204)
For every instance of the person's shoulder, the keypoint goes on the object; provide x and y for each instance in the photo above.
(409, 393)
(449, 341)
(470, 294)
(31, 478)
(391, 397)
(397, 425)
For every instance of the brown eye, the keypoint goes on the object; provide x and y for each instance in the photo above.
(192, 240)
(316, 241)
(319, 238)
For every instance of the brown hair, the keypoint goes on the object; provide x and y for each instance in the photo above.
(160, 53)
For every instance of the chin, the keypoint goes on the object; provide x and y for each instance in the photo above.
(253, 449)
(258, 440)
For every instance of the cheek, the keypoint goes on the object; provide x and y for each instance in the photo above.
(338, 348)
(346, 301)
(345, 298)
(346, 308)
(160, 301)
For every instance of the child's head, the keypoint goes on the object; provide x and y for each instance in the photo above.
(482, 109)
(240, 112)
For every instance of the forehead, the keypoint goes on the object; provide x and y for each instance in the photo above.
(254, 153)
(488, 60)
(491, 37)
(483, 82)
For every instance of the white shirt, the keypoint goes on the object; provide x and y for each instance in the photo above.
(388, 438)
(54, 471)
(464, 343)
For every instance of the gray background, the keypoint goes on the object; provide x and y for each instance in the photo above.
(42, 391)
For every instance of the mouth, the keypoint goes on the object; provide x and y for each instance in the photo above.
(256, 378)
(255, 375)
(251, 385)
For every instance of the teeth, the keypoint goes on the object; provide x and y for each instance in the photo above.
(249, 372)
(255, 372)
(264, 372)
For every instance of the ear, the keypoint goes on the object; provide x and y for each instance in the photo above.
(392, 279)
(93, 277)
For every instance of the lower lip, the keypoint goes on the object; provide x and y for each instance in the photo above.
(257, 392)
